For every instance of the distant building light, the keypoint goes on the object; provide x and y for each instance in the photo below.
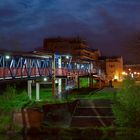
(7, 57)
(129, 69)
(135, 72)
(116, 77)
(132, 75)
(124, 73)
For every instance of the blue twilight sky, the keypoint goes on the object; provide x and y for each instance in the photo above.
(113, 26)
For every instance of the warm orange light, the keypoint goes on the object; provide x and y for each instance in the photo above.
(129, 69)
(124, 73)
(135, 72)
(116, 77)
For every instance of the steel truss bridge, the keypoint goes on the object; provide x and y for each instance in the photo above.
(28, 66)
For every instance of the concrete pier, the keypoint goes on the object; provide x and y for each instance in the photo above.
(29, 88)
(37, 91)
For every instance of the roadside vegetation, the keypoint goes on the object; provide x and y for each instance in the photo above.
(10, 101)
(127, 105)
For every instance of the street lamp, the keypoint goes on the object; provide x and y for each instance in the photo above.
(7, 57)
(67, 57)
(45, 79)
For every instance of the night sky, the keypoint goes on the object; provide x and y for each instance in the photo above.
(113, 26)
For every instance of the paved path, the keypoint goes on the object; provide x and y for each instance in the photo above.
(93, 113)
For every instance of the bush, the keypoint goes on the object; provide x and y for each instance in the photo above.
(127, 106)
(11, 101)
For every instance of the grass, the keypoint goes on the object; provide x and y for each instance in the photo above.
(11, 101)
(83, 93)
(45, 94)
(127, 106)
(84, 82)
(93, 95)
(102, 94)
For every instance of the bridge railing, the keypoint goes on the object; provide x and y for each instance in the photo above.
(30, 66)
(12, 73)
(70, 72)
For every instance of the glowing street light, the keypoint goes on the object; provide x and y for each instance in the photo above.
(67, 57)
(7, 57)
(135, 72)
(116, 77)
(124, 73)
(45, 79)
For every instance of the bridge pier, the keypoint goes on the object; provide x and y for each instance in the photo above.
(91, 81)
(37, 91)
(78, 82)
(29, 88)
(59, 87)
(53, 75)
(59, 79)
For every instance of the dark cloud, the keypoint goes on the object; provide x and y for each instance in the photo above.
(109, 25)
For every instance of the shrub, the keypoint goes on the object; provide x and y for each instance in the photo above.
(11, 101)
(127, 106)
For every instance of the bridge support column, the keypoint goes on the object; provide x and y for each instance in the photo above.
(91, 81)
(66, 83)
(37, 91)
(78, 82)
(100, 83)
(88, 81)
(59, 79)
(29, 88)
(59, 87)
(53, 75)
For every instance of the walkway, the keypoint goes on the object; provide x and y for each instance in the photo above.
(93, 113)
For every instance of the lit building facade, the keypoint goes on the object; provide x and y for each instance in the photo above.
(114, 68)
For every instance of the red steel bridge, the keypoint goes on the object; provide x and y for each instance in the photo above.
(29, 66)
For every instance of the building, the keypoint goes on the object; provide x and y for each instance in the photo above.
(76, 47)
(114, 68)
(132, 69)
(83, 57)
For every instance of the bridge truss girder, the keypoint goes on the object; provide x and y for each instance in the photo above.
(23, 67)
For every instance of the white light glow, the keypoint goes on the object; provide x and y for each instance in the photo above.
(45, 79)
(7, 57)
(67, 57)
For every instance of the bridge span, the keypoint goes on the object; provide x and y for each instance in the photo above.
(29, 66)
